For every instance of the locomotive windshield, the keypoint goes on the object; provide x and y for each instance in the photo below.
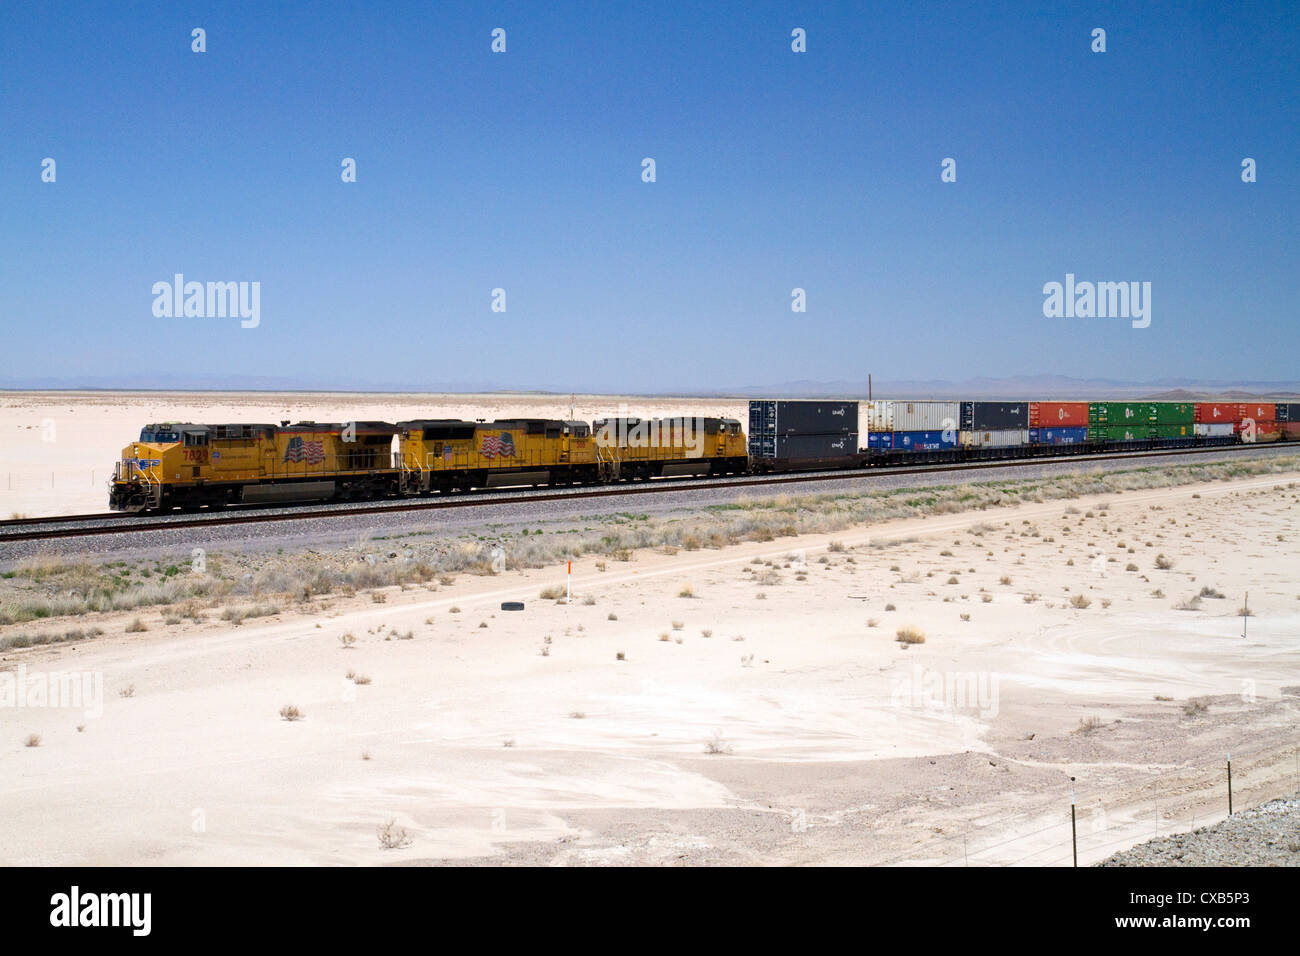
(158, 436)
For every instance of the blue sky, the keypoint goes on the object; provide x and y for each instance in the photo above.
(522, 171)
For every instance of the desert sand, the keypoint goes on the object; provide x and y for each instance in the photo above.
(770, 717)
(58, 449)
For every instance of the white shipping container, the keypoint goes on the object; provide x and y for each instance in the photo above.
(880, 415)
(915, 417)
(1222, 428)
(1001, 438)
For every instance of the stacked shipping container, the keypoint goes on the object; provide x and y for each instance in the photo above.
(994, 424)
(1058, 423)
(1217, 419)
(1135, 421)
(916, 426)
(1260, 422)
(802, 429)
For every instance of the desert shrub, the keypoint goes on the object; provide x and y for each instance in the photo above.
(391, 836)
(910, 635)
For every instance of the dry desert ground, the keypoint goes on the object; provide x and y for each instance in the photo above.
(745, 704)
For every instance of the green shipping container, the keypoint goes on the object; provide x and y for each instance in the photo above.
(1139, 431)
(1136, 413)
(1120, 413)
(1174, 413)
(1135, 432)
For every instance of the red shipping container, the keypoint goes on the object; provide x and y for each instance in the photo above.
(1217, 413)
(1058, 414)
(1264, 431)
(1291, 431)
(1260, 411)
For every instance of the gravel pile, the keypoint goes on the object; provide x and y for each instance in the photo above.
(1268, 835)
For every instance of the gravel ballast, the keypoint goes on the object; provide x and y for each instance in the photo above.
(1267, 835)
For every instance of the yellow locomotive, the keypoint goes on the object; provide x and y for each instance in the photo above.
(447, 455)
(187, 466)
(182, 465)
(632, 448)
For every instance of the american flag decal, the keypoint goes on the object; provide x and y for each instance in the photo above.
(311, 452)
(502, 445)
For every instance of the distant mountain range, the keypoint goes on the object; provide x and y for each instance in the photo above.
(1031, 386)
(1019, 387)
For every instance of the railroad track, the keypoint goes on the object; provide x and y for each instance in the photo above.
(117, 523)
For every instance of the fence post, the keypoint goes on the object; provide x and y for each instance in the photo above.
(1074, 833)
(1229, 784)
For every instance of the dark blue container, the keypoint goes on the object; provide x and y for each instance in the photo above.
(924, 441)
(1057, 436)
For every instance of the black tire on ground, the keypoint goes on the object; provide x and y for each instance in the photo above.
(512, 605)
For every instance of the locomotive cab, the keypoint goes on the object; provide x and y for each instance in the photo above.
(138, 476)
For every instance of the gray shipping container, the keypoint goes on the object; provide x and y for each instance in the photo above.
(771, 418)
(994, 416)
(995, 438)
(804, 446)
(1220, 429)
(899, 416)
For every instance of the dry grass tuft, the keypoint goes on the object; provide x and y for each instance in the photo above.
(910, 635)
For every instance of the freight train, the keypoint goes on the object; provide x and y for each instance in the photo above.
(188, 466)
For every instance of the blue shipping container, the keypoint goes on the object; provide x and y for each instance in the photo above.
(1058, 436)
(912, 441)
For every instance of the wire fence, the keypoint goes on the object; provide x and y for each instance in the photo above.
(55, 480)
(1101, 833)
